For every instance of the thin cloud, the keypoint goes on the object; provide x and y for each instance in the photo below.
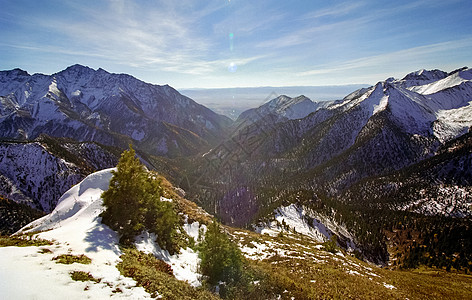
(404, 57)
(340, 9)
(306, 34)
(138, 37)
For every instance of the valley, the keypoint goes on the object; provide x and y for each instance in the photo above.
(381, 177)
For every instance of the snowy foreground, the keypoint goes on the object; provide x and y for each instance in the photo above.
(75, 228)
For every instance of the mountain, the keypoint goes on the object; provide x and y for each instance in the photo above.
(271, 161)
(233, 101)
(377, 170)
(113, 109)
(283, 108)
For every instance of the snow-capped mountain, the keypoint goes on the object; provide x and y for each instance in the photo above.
(283, 108)
(373, 131)
(113, 109)
(399, 121)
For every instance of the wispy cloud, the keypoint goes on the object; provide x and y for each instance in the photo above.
(307, 34)
(340, 9)
(129, 34)
(188, 42)
(417, 55)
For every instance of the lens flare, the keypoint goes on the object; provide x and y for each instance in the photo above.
(232, 67)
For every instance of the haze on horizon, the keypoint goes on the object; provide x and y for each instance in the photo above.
(236, 43)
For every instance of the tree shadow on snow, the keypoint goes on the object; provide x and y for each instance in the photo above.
(102, 238)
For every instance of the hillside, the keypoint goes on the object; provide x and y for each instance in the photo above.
(284, 266)
(384, 171)
(38, 172)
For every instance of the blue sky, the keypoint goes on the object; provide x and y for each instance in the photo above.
(238, 43)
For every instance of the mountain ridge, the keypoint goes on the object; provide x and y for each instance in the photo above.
(94, 105)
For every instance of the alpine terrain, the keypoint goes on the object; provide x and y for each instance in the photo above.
(369, 196)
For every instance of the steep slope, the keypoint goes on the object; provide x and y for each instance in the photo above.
(440, 185)
(13, 216)
(38, 172)
(113, 109)
(76, 229)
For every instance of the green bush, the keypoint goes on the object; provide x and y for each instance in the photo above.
(331, 245)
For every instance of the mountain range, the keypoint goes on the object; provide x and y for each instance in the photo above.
(70, 253)
(113, 109)
(350, 168)
(371, 132)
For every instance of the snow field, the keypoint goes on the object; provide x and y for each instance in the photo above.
(75, 227)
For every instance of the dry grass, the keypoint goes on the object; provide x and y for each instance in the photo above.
(298, 267)
(83, 276)
(25, 240)
(189, 208)
(150, 273)
(68, 259)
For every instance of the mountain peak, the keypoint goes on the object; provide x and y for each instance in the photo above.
(77, 67)
(15, 72)
(425, 75)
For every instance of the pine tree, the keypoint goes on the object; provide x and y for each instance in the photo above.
(221, 259)
(133, 203)
(124, 198)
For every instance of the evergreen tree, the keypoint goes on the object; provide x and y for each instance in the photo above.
(221, 259)
(160, 217)
(124, 198)
(133, 203)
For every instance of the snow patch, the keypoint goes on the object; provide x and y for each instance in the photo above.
(381, 106)
(388, 286)
(184, 264)
(75, 227)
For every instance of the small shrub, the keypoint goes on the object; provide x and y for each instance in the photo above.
(331, 245)
(23, 241)
(68, 259)
(83, 276)
(45, 251)
(221, 259)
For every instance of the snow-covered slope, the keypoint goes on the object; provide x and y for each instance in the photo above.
(30, 174)
(39, 172)
(296, 219)
(94, 105)
(75, 227)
